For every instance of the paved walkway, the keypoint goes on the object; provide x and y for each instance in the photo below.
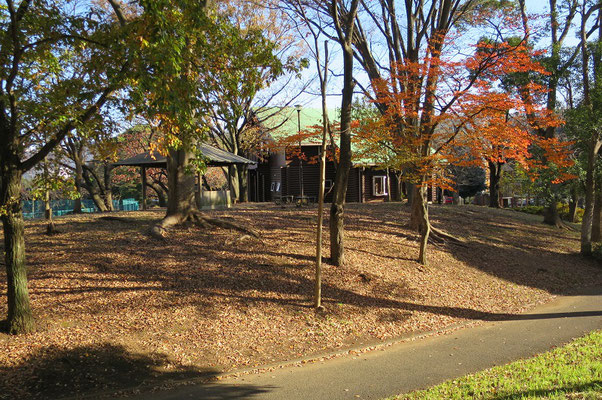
(417, 364)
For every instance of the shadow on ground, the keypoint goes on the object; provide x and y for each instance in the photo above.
(519, 248)
(591, 390)
(55, 373)
(528, 260)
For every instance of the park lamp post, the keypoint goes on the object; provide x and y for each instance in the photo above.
(298, 108)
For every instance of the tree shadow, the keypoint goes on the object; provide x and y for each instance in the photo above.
(579, 391)
(283, 281)
(525, 253)
(54, 373)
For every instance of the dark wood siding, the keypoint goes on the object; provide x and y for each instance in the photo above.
(367, 186)
(353, 186)
(359, 187)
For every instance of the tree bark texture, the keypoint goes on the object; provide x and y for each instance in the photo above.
(590, 187)
(20, 319)
(596, 222)
(425, 226)
(243, 185)
(50, 229)
(93, 191)
(573, 204)
(495, 175)
(345, 34)
(234, 182)
(79, 184)
(161, 195)
(417, 210)
(180, 182)
(551, 215)
(108, 187)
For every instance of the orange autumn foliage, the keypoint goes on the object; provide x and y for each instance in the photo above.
(446, 105)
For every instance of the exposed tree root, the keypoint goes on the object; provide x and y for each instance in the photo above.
(566, 226)
(437, 236)
(51, 229)
(114, 218)
(160, 229)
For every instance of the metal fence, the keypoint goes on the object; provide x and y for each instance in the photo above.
(35, 208)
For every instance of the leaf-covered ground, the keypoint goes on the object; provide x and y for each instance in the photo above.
(116, 308)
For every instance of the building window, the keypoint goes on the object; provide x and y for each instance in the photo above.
(273, 186)
(277, 186)
(379, 185)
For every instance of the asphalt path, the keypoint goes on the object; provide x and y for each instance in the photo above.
(415, 364)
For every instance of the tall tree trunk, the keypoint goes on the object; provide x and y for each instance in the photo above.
(345, 33)
(234, 183)
(48, 213)
(93, 191)
(416, 193)
(323, 76)
(388, 180)
(588, 214)
(108, 187)
(551, 216)
(181, 184)
(20, 319)
(398, 195)
(47, 203)
(596, 222)
(79, 185)
(573, 204)
(161, 195)
(243, 186)
(421, 218)
(495, 175)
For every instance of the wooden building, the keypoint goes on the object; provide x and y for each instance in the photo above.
(281, 175)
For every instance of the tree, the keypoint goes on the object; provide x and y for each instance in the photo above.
(88, 152)
(48, 82)
(584, 122)
(262, 63)
(336, 19)
(178, 59)
(459, 108)
(60, 65)
(468, 180)
(324, 132)
(590, 107)
(558, 62)
(344, 23)
(50, 180)
(141, 138)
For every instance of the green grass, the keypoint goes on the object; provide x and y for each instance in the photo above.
(570, 372)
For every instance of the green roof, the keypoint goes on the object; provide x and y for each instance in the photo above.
(283, 123)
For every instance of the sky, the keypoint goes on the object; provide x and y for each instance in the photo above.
(312, 98)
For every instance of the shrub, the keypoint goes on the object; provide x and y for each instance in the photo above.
(536, 210)
(563, 210)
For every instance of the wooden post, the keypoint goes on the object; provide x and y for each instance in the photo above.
(143, 176)
(388, 181)
(325, 130)
(198, 190)
(230, 178)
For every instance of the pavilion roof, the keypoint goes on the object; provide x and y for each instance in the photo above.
(215, 158)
